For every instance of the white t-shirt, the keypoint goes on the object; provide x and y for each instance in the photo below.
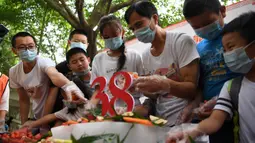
(4, 101)
(246, 108)
(179, 51)
(35, 83)
(104, 65)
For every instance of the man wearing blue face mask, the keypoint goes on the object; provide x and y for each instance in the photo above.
(31, 77)
(206, 17)
(170, 60)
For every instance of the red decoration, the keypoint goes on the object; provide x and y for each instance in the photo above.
(121, 93)
(101, 95)
(117, 93)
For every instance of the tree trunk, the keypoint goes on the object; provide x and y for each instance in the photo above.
(92, 38)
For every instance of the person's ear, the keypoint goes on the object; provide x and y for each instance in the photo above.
(155, 18)
(223, 11)
(14, 50)
(89, 60)
(69, 43)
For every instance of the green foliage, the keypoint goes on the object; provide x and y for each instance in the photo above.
(34, 16)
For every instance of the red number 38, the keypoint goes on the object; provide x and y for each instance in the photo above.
(116, 92)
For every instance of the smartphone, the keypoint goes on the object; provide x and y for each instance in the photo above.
(3, 32)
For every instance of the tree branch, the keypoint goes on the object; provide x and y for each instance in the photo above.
(99, 44)
(68, 10)
(57, 6)
(117, 7)
(44, 24)
(79, 7)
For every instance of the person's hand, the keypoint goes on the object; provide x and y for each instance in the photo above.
(152, 84)
(183, 136)
(71, 89)
(206, 109)
(209, 105)
(27, 124)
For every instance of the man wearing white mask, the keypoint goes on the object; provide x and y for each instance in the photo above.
(31, 77)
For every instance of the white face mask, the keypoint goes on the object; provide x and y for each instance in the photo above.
(78, 45)
(238, 61)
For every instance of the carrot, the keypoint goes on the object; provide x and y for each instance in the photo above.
(139, 121)
(70, 122)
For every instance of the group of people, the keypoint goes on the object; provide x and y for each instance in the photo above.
(175, 73)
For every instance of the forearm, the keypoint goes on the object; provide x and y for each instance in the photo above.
(59, 79)
(24, 111)
(187, 90)
(56, 77)
(211, 124)
(2, 114)
(50, 102)
(44, 121)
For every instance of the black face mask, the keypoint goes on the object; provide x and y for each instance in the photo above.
(3, 32)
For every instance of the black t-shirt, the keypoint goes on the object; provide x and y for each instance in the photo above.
(84, 86)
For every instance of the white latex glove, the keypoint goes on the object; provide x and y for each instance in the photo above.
(183, 136)
(71, 88)
(2, 126)
(154, 84)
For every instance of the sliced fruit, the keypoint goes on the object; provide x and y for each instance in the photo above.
(128, 114)
(100, 118)
(160, 121)
(153, 118)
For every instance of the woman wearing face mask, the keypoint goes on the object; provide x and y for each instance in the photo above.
(116, 58)
(171, 59)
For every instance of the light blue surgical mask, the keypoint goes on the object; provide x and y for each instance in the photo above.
(78, 45)
(27, 55)
(238, 61)
(145, 34)
(113, 43)
(210, 31)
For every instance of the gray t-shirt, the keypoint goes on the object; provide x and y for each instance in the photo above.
(246, 108)
(179, 51)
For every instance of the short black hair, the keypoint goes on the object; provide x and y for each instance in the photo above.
(74, 51)
(21, 34)
(143, 8)
(244, 25)
(77, 31)
(193, 8)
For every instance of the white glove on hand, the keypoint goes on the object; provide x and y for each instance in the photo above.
(71, 88)
(2, 126)
(180, 135)
(154, 84)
